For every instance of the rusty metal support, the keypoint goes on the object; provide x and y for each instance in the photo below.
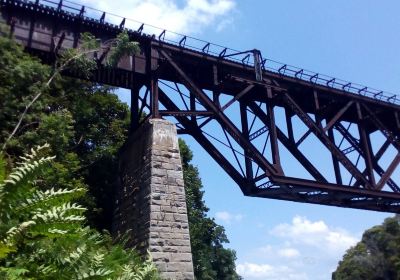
(288, 144)
(335, 162)
(205, 143)
(184, 113)
(273, 133)
(389, 134)
(338, 115)
(389, 171)
(230, 128)
(289, 125)
(376, 158)
(245, 131)
(317, 108)
(154, 98)
(397, 118)
(59, 43)
(237, 97)
(366, 146)
(325, 140)
(135, 117)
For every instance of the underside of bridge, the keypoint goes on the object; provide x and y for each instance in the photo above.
(280, 133)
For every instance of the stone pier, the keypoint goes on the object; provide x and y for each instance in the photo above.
(150, 202)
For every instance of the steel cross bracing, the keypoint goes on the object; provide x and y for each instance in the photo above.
(290, 137)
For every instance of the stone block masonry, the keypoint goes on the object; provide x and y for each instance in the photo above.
(150, 204)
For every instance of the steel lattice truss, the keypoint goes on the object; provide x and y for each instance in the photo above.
(277, 136)
(247, 127)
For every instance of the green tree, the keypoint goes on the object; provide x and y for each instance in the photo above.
(210, 259)
(42, 233)
(376, 256)
(84, 123)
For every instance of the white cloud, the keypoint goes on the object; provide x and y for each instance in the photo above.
(269, 272)
(224, 24)
(188, 18)
(317, 234)
(288, 253)
(227, 217)
(283, 250)
(301, 249)
(266, 249)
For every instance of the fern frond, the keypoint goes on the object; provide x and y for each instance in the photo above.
(58, 221)
(94, 273)
(98, 259)
(146, 270)
(26, 167)
(9, 243)
(47, 269)
(44, 199)
(86, 263)
(14, 273)
(56, 212)
(6, 249)
(74, 256)
(19, 182)
(14, 232)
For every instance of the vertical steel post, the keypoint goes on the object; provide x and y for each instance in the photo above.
(135, 118)
(366, 146)
(318, 118)
(216, 92)
(272, 125)
(245, 131)
(397, 118)
(289, 124)
(257, 65)
(151, 71)
(192, 104)
(154, 97)
(336, 166)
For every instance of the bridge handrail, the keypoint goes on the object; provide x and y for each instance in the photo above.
(189, 42)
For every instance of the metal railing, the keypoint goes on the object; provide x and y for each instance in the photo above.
(185, 41)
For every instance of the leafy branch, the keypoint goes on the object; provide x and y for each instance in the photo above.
(79, 60)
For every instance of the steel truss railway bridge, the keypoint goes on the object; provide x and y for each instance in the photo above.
(280, 132)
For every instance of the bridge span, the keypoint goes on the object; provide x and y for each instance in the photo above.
(261, 112)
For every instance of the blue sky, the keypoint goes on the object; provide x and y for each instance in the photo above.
(357, 40)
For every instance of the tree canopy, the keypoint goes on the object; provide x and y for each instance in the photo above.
(376, 256)
(84, 123)
(210, 259)
(43, 232)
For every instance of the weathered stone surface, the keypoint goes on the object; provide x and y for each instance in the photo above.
(150, 202)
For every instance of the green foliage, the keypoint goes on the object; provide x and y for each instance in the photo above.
(376, 256)
(21, 77)
(78, 59)
(210, 259)
(120, 47)
(42, 237)
(43, 232)
(84, 124)
(2, 168)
